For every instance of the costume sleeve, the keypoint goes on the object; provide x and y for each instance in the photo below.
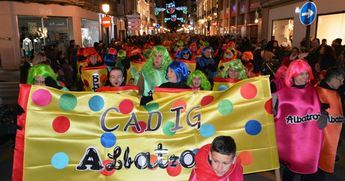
(192, 176)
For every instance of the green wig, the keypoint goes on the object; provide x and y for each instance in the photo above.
(40, 70)
(238, 66)
(205, 84)
(121, 55)
(148, 66)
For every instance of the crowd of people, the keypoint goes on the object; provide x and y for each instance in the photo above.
(306, 84)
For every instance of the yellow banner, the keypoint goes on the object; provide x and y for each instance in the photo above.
(106, 136)
(133, 72)
(94, 77)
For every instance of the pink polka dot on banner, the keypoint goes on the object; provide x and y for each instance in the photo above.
(105, 171)
(206, 100)
(61, 124)
(174, 171)
(180, 103)
(41, 97)
(248, 91)
(86, 83)
(268, 106)
(246, 157)
(142, 125)
(126, 106)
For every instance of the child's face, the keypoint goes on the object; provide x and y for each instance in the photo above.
(171, 76)
(157, 60)
(39, 80)
(186, 55)
(196, 81)
(116, 78)
(233, 73)
(93, 59)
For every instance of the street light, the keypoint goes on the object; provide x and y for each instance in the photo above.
(105, 9)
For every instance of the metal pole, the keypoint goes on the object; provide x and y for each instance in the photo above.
(307, 34)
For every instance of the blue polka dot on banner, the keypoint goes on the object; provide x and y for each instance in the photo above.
(195, 151)
(207, 130)
(253, 127)
(59, 160)
(96, 103)
(108, 140)
(222, 87)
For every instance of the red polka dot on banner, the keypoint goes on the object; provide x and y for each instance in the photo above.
(105, 171)
(61, 124)
(142, 125)
(268, 106)
(41, 97)
(248, 91)
(153, 160)
(86, 83)
(126, 106)
(206, 100)
(103, 78)
(180, 103)
(174, 171)
(246, 157)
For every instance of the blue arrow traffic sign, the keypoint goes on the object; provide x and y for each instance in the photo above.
(308, 13)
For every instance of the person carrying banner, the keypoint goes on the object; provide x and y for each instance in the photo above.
(298, 122)
(217, 161)
(198, 81)
(177, 74)
(115, 79)
(331, 101)
(153, 73)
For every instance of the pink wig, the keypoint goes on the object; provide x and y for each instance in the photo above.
(280, 74)
(295, 68)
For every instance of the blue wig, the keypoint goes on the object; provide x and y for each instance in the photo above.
(180, 69)
(184, 51)
(110, 59)
(204, 50)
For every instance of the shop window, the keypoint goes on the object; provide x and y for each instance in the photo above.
(39, 32)
(283, 30)
(331, 27)
(89, 32)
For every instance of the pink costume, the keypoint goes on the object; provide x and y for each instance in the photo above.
(204, 172)
(299, 138)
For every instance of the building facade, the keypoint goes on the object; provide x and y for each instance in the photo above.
(281, 21)
(240, 17)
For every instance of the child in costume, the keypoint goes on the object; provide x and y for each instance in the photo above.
(217, 162)
(177, 74)
(233, 70)
(198, 81)
(153, 73)
(43, 74)
(206, 63)
(298, 122)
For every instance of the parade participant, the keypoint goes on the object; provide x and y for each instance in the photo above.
(248, 61)
(278, 82)
(153, 73)
(198, 81)
(115, 78)
(177, 74)
(93, 59)
(184, 55)
(229, 54)
(110, 58)
(233, 70)
(206, 63)
(43, 74)
(331, 102)
(298, 122)
(217, 161)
